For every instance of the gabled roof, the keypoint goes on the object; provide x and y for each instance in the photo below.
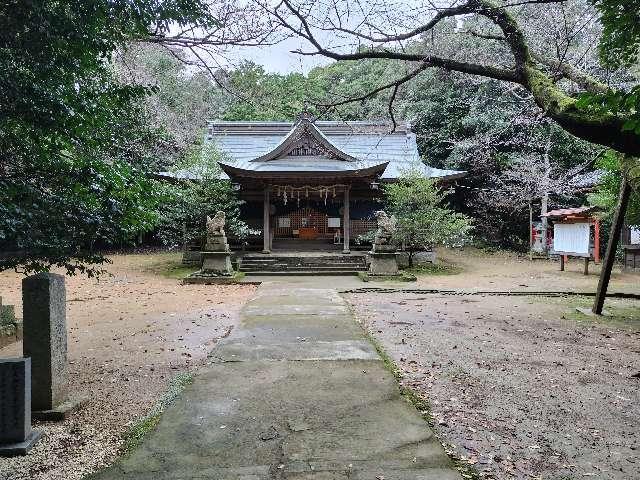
(305, 129)
(304, 166)
(345, 146)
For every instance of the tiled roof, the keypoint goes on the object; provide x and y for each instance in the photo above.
(369, 143)
(564, 212)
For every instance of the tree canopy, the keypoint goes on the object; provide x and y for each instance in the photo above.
(187, 203)
(72, 143)
(423, 219)
(502, 45)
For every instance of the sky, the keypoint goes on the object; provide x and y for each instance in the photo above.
(279, 59)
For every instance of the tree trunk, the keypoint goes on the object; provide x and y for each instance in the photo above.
(612, 246)
(545, 221)
(530, 230)
(545, 195)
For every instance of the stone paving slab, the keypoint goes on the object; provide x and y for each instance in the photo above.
(298, 309)
(270, 406)
(346, 350)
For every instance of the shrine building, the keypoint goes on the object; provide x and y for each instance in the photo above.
(308, 182)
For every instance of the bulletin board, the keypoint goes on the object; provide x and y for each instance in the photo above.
(571, 239)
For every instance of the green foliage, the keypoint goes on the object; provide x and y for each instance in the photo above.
(606, 196)
(618, 102)
(423, 219)
(184, 205)
(71, 140)
(268, 96)
(620, 42)
(352, 79)
(57, 212)
(619, 47)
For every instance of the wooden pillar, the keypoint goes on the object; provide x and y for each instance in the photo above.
(265, 222)
(596, 241)
(586, 265)
(610, 254)
(562, 259)
(345, 221)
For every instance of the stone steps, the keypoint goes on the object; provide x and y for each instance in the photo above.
(313, 265)
(277, 273)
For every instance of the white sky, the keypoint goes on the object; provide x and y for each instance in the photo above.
(278, 58)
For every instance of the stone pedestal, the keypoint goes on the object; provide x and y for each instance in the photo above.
(45, 341)
(383, 263)
(216, 243)
(16, 435)
(216, 258)
(216, 263)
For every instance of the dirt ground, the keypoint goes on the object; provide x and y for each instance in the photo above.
(509, 271)
(520, 387)
(129, 335)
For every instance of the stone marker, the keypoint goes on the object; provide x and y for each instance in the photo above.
(45, 341)
(16, 435)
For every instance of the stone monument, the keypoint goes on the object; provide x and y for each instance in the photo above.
(45, 341)
(383, 256)
(216, 257)
(16, 435)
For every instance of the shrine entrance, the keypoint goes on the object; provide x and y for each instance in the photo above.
(308, 223)
(313, 215)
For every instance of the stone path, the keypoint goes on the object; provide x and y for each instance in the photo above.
(296, 393)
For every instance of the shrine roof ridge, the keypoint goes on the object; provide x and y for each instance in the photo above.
(328, 127)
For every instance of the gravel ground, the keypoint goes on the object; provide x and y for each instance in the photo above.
(129, 335)
(518, 386)
(510, 271)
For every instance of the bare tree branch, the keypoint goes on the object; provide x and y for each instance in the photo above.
(604, 129)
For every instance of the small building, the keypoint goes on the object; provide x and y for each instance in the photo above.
(313, 183)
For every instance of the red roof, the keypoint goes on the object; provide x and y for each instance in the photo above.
(567, 212)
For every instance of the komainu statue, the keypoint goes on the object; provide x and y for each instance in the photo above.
(215, 225)
(386, 228)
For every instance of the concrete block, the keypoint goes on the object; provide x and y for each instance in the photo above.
(16, 435)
